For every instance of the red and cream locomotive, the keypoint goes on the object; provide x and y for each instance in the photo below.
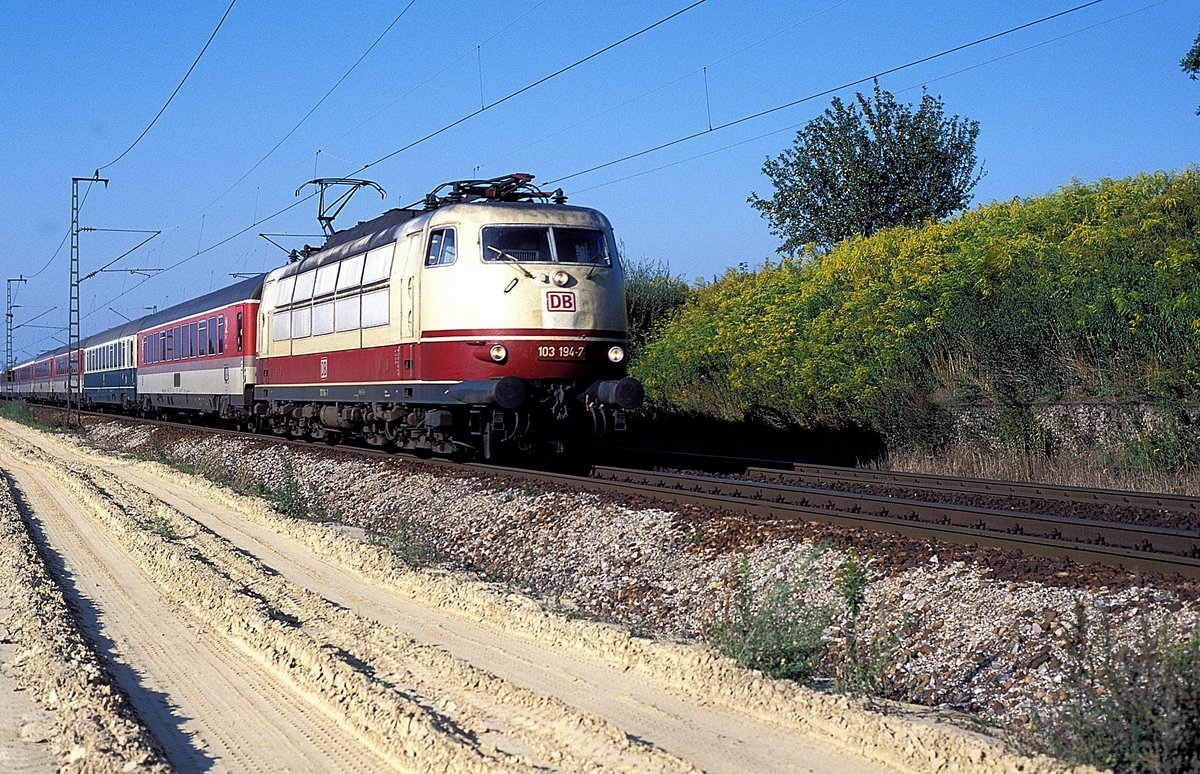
(492, 319)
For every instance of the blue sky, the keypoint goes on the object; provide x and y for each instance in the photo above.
(1096, 93)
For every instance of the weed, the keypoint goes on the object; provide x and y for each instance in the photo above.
(161, 526)
(288, 496)
(1129, 707)
(772, 629)
(861, 670)
(22, 413)
(412, 545)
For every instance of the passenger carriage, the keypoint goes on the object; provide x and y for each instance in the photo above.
(200, 355)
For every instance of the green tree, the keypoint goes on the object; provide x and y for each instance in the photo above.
(869, 165)
(1191, 63)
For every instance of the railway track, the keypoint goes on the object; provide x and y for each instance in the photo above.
(1132, 547)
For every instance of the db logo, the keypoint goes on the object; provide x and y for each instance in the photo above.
(560, 301)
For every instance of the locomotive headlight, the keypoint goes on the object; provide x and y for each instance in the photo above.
(616, 354)
(561, 278)
(499, 353)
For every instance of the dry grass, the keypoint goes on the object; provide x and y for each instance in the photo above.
(1083, 470)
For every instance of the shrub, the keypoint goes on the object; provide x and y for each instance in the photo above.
(652, 294)
(1130, 707)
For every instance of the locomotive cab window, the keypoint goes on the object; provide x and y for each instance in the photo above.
(441, 247)
(539, 244)
(580, 245)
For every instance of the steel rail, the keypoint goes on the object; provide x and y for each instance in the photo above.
(816, 474)
(1130, 546)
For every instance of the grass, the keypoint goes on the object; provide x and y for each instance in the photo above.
(23, 413)
(161, 526)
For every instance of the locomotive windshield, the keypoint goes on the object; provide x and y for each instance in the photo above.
(542, 244)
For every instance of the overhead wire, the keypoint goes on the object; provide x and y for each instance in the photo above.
(321, 101)
(922, 84)
(509, 96)
(827, 92)
(669, 83)
(532, 85)
(431, 78)
(177, 88)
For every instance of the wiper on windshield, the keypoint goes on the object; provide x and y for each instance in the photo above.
(515, 262)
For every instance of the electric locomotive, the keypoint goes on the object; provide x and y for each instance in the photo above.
(492, 319)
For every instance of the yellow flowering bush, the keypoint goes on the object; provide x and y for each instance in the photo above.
(1090, 292)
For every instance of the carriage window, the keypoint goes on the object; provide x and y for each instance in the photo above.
(212, 335)
(522, 244)
(239, 332)
(202, 335)
(441, 247)
(220, 334)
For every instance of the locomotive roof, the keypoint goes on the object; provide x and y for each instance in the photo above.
(393, 224)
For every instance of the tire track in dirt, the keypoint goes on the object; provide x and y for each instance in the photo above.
(521, 729)
(207, 703)
(709, 738)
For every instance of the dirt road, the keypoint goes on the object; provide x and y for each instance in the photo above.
(246, 641)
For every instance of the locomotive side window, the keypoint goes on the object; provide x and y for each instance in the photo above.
(239, 332)
(301, 322)
(350, 275)
(516, 243)
(346, 314)
(375, 308)
(284, 291)
(322, 319)
(326, 279)
(442, 249)
(378, 264)
(304, 286)
(283, 326)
